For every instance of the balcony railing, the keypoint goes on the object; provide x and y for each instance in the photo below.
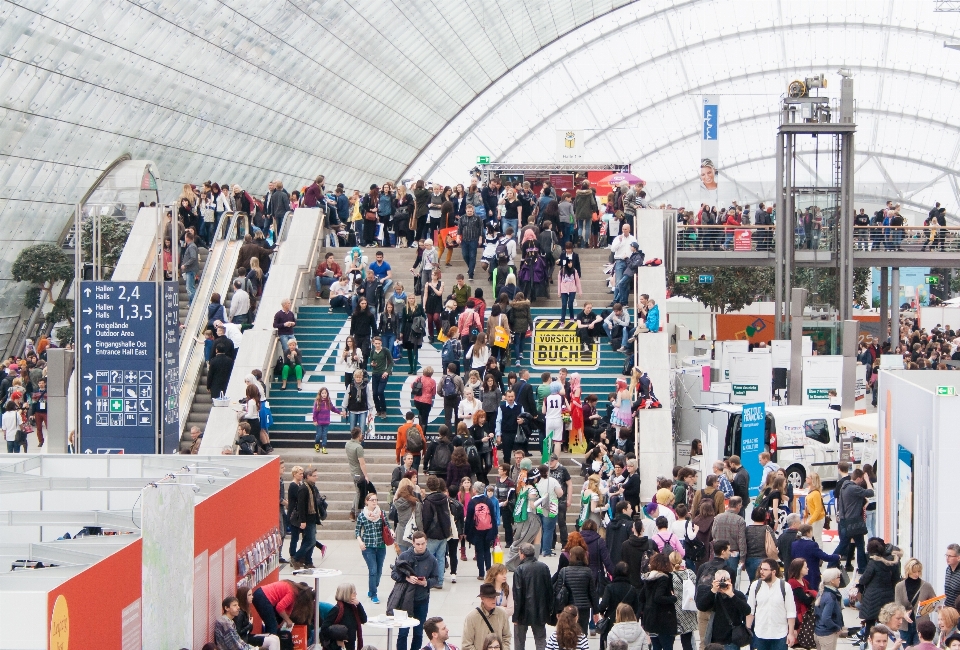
(908, 239)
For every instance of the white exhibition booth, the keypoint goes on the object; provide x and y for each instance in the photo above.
(917, 466)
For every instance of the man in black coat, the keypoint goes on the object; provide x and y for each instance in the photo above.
(730, 607)
(618, 530)
(787, 538)
(740, 482)
(532, 598)
(218, 375)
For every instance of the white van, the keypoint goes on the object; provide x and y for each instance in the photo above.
(800, 439)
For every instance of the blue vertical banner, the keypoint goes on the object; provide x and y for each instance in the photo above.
(118, 367)
(170, 366)
(753, 424)
(710, 151)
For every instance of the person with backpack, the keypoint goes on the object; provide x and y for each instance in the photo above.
(636, 551)
(452, 351)
(451, 390)
(619, 530)
(424, 391)
(439, 453)
(480, 527)
(773, 610)
(410, 440)
(665, 538)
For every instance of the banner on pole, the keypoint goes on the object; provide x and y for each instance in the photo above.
(710, 152)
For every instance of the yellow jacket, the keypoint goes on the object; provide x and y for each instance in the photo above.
(814, 507)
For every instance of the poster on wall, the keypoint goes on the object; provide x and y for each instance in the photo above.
(709, 151)
(860, 394)
(730, 347)
(820, 376)
(905, 500)
(751, 374)
(570, 146)
(751, 442)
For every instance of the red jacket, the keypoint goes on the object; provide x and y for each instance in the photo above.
(281, 595)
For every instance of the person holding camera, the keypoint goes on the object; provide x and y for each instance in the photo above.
(730, 611)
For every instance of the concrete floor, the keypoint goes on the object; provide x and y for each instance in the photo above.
(453, 602)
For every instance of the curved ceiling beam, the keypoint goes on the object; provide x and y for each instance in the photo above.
(754, 159)
(778, 29)
(759, 116)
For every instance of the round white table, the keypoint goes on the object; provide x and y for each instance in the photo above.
(392, 624)
(317, 574)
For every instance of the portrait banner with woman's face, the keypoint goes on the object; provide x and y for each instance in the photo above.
(709, 152)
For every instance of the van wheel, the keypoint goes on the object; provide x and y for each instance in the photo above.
(796, 476)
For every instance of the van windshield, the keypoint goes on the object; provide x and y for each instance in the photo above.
(731, 444)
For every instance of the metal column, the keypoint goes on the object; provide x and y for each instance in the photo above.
(845, 226)
(795, 388)
(787, 224)
(779, 308)
(884, 304)
(895, 310)
(849, 373)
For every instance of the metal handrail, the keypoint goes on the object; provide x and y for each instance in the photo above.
(217, 237)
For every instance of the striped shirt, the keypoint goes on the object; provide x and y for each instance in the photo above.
(951, 585)
(582, 643)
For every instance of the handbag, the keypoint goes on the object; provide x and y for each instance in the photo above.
(739, 634)
(603, 625)
(853, 527)
(208, 215)
(370, 215)
(520, 438)
(561, 594)
(770, 546)
(409, 529)
(388, 538)
(688, 602)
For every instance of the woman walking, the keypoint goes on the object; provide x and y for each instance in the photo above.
(498, 332)
(579, 582)
(480, 527)
(251, 410)
(408, 507)
(814, 513)
(351, 360)
(363, 324)
(686, 620)
(433, 303)
(359, 401)
(627, 629)
(424, 401)
(520, 324)
(658, 603)
(389, 327)
(369, 534)
(619, 593)
(569, 634)
(804, 598)
(568, 285)
(526, 525)
(413, 326)
(478, 353)
(829, 612)
(322, 407)
(876, 586)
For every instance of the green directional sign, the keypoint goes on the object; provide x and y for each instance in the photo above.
(483, 160)
(818, 393)
(743, 389)
(946, 390)
(683, 279)
(931, 279)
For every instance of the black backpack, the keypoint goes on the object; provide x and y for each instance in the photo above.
(417, 388)
(441, 457)
(322, 508)
(470, 447)
(694, 549)
(448, 388)
(502, 253)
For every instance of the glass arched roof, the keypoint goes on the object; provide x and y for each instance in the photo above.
(633, 80)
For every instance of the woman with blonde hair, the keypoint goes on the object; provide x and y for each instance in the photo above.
(497, 576)
(591, 502)
(947, 619)
(911, 590)
(686, 620)
(814, 512)
(408, 505)
(627, 629)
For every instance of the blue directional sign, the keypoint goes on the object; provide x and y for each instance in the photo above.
(170, 366)
(706, 279)
(752, 434)
(118, 367)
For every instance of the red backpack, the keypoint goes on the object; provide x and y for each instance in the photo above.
(482, 518)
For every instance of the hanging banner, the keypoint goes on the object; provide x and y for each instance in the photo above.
(570, 145)
(709, 152)
(860, 396)
(556, 344)
(751, 374)
(752, 429)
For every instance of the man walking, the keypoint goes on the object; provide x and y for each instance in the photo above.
(381, 366)
(436, 524)
(358, 469)
(731, 527)
(951, 579)
(239, 304)
(484, 620)
(773, 611)
(559, 472)
(190, 264)
(437, 634)
(424, 577)
(740, 482)
(622, 249)
(852, 529)
(531, 609)
(308, 514)
(470, 230)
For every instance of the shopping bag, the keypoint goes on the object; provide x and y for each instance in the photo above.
(497, 551)
(442, 336)
(501, 336)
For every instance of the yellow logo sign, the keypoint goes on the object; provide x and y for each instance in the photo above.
(570, 140)
(557, 344)
(60, 625)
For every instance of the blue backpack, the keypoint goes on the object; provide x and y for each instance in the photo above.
(266, 415)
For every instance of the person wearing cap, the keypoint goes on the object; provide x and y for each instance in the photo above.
(486, 619)
(368, 210)
(633, 262)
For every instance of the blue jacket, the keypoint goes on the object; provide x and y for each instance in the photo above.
(343, 208)
(808, 550)
(653, 319)
(829, 612)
